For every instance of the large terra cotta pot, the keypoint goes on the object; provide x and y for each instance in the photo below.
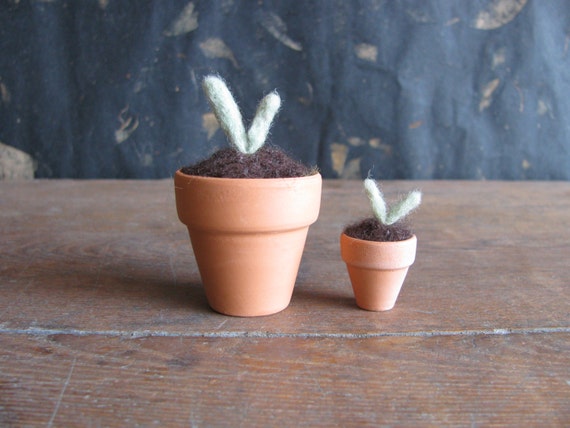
(248, 237)
(377, 269)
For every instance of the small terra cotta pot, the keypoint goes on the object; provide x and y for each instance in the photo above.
(248, 237)
(377, 269)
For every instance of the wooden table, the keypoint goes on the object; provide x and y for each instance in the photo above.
(103, 321)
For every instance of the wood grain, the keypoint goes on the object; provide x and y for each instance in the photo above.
(103, 321)
(460, 381)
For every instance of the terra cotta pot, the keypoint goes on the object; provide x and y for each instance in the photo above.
(377, 269)
(248, 237)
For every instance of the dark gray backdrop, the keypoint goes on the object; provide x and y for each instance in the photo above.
(475, 89)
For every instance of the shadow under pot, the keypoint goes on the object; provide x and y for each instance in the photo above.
(248, 237)
(377, 269)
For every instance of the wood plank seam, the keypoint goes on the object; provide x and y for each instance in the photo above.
(34, 331)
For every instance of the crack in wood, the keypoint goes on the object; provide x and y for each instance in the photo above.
(61, 394)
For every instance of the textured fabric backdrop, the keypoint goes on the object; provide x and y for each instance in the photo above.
(474, 89)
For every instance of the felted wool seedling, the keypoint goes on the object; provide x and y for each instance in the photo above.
(249, 156)
(398, 211)
(388, 223)
(229, 116)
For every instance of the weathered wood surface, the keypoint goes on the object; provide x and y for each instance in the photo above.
(520, 380)
(103, 321)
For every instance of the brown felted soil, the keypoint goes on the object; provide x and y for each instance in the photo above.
(268, 162)
(370, 229)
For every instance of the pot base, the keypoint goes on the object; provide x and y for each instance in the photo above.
(250, 274)
(376, 290)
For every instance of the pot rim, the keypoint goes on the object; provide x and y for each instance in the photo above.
(381, 243)
(377, 254)
(221, 180)
(247, 205)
